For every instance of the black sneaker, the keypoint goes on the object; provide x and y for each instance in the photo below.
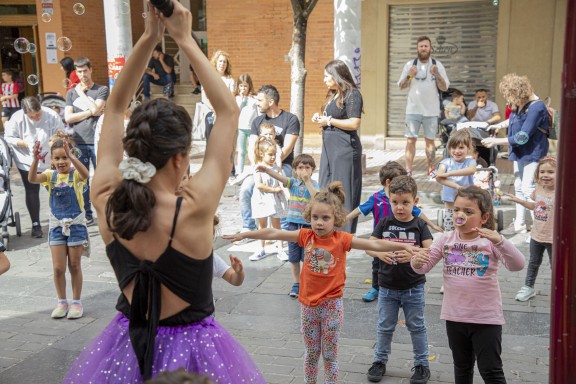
(196, 91)
(421, 375)
(89, 220)
(37, 231)
(376, 371)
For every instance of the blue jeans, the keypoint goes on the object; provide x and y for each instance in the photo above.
(246, 191)
(413, 302)
(88, 155)
(163, 80)
(241, 146)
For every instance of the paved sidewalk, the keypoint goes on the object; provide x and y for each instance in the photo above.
(260, 314)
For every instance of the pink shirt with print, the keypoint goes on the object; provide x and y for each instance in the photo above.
(471, 288)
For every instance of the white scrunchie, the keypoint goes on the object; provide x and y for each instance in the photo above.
(134, 169)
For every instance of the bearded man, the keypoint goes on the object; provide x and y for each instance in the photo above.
(424, 77)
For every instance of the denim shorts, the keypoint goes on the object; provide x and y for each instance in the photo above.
(295, 252)
(413, 123)
(78, 236)
(9, 111)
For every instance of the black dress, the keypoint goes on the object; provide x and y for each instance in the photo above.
(342, 154)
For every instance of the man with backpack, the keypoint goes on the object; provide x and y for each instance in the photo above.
(424, 77)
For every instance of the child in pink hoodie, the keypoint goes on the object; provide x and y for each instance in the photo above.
(472, 303)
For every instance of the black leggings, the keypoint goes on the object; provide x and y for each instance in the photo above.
(476, 342)
(32, 192)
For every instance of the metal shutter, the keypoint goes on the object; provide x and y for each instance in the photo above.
(463, 38)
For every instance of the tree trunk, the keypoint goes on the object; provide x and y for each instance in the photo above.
(302, 10)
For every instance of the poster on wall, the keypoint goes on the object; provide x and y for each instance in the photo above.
(48, 7)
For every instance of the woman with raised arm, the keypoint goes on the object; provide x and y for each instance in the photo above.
(160, 245)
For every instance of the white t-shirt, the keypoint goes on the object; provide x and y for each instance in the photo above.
(219, 265)
(423, 96)
(21, 127)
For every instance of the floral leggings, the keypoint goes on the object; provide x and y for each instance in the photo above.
(321, 330)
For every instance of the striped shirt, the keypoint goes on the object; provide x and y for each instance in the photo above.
(379, 205)
(299, 198)
(9, 89)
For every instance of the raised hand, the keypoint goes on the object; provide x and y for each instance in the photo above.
(154, 25)
(489, 234)
(179, 24)
(236, 264)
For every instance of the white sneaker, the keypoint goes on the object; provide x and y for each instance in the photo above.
(442, 289)
(282, 255)
(259, 255)
(528, 239)
(525, 293)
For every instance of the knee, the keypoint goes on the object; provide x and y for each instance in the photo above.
(59, 270)
(74, 266)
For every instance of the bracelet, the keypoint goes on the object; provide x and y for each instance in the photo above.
(409, 77)
(329, 122)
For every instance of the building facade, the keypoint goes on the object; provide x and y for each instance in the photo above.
(478, 41)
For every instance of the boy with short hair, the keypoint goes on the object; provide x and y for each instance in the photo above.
(9, 98)
(379, 205)
(302, 189)
(400, 286)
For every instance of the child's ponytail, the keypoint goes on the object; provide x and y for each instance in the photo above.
(333, 196)
(261, 146)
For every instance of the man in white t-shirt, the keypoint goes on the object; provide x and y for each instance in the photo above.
(423, 77)
(482, 109)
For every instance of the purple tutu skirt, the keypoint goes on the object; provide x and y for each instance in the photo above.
(204, 347)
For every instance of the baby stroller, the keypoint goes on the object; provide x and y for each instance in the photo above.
(445, 126)
(7, 216)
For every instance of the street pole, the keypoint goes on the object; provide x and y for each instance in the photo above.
(118, 36)
(563, 309)
(347, 35)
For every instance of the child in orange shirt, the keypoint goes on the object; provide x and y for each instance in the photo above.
(323, 274)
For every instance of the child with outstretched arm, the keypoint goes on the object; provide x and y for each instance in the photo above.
(379, 205)
(302, 189)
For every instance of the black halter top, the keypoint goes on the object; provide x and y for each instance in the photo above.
(188, 278)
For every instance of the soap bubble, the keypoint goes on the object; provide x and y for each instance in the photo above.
(32, 79)
(459, 219)
(521, 137)
(82, 185)
(75, 152)
(79, 9)
(21, 45)
(32, 48)
(64, 44)
(124, 8)
(65, 83)
(46, 17)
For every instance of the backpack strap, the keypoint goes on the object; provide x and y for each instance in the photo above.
(543, 130)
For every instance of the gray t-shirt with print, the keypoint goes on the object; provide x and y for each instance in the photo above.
(84, 130)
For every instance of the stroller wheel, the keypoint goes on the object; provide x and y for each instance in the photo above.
(440, 218)
(17, 221)
(500, 220)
